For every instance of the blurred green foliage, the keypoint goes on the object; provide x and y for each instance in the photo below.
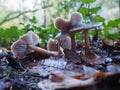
(9, 35)
(88, 1)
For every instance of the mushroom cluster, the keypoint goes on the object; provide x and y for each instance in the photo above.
(27, 44)
(75, 25)
(64, 40)
(65, 27)
(55, 45)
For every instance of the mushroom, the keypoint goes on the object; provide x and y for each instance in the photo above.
(89, 57)
(59, 45)
(73, 26)
(26, 44)
(65, 43)
(85, 28)
(52, 45)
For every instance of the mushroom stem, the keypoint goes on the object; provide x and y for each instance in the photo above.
(73, 48)
(43, 51)
(59, 48)
(87, 42)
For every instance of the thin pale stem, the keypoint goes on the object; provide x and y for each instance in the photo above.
(44, 51)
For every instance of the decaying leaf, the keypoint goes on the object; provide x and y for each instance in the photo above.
(94, 61)
(61, 81)
(73, 57)
(66, 82)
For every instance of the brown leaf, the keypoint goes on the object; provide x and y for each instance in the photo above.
(95, 60)
(94, 82)
(73, 57)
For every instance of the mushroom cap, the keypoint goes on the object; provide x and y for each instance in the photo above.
(65, 43)
(78, 28)
(52, 45)
(85, 27)
(62, 24)
(76, 19)
(20, 47)
(66, 25)
(73, 25)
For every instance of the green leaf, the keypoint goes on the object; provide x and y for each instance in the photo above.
(43, 27)
(33, 20)
(114, 23)
(88, 1)
(84, 11)
(113, 36)
(95, 10)
(98, 18)
(92, 32)
(79, 36)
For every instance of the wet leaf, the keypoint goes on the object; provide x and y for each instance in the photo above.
(94, 60)
(113, 68)
(88, 71)
(5, 83)
(2, 54)
(94, 82)
(116, 59)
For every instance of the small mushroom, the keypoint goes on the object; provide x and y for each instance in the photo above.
(65, 43)
(59, 45)
(52, 45)
(26, 44)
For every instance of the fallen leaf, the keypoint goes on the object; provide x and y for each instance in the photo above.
(73, 57)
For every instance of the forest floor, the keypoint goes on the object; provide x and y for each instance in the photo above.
(29, 73)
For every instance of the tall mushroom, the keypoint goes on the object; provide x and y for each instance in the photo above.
(26, 44)
(85, 28)
(72, 26)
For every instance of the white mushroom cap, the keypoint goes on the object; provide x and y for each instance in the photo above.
(20, 48)
(76, 19)
(85, 26)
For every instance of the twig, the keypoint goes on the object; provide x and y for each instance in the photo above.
(14, 17)
(8, 18)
